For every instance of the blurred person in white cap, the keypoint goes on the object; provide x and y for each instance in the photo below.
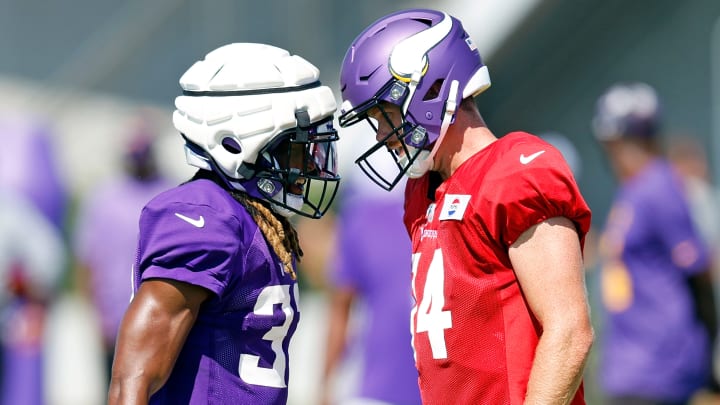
(659, 316)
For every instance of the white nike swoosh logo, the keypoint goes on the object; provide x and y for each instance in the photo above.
(527, 159)
(198, 223)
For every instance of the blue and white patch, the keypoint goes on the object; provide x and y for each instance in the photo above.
(454, 207)
(470, 44)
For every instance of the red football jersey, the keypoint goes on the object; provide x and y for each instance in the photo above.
(473, 333)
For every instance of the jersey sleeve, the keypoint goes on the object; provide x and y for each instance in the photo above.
(523, 195)
(190, 243)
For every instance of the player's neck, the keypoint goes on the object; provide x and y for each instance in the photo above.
(630, 168)
(460, 144)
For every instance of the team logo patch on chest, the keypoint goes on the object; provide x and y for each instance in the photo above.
(454, 206)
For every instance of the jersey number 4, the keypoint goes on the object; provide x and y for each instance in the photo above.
(429, 315)
(249, 369)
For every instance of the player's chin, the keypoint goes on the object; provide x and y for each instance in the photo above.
(297, 189)
(399, 153)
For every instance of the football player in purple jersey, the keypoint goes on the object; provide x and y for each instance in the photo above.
(216, 296)
(659, 313)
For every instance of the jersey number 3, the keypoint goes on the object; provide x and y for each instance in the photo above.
(429, 315)
(249, 369)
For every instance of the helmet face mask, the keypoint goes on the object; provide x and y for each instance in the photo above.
(421, 61)
(298, 170)
(403, 140)
(260, 119)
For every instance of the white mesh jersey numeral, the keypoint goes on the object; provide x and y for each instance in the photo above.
(249, 369)
(430, 315)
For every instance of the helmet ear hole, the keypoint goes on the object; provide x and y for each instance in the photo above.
(231, 145)
(434, 90)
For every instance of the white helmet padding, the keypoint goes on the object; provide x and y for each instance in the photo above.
(263, 85)
(241, 100)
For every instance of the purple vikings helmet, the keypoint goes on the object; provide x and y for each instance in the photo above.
(627, 110)
(246, 110)
(425, 63)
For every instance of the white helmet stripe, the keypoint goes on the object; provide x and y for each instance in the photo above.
(410, 55)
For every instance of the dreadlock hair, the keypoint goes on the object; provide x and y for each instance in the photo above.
(278, 231)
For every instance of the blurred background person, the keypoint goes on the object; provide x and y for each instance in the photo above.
(34, 258)
(368, 357)
(659, 313)
(688, 157)
(28, 164)
(32, 262)
(105, 236)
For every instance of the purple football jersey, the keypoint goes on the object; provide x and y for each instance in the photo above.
(653, 343)
(236, 353)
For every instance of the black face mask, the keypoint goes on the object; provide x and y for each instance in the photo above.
(301, 161)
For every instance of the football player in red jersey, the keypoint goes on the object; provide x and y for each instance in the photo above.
(497, 224)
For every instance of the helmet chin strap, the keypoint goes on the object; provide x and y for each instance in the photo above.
(424, 161)
(291, 200)
(412, 86)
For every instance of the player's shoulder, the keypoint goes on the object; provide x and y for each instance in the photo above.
(191, 192)
(515, 157)
(522, 150)
(516, 166)
(194, 199)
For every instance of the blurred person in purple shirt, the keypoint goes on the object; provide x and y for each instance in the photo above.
(32, 183)
(106, 233)
(215, 291)
(27, 150)
(370, 301)
(659, 312)
(32, 260)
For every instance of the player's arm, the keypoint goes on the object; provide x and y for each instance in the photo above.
(548, 262)
(151, 336)
(341, 300)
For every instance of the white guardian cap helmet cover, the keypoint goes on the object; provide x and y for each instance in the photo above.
(244, 109)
